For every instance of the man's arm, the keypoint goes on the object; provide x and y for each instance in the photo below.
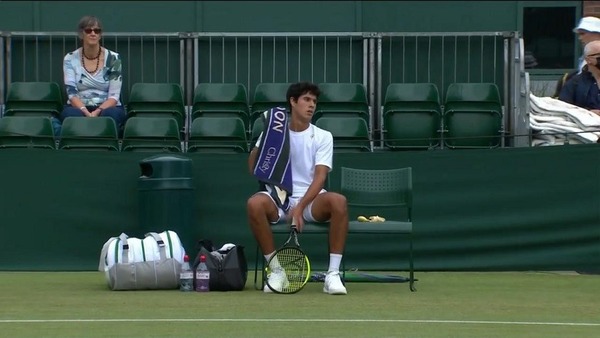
(252, 159)
(315, 187)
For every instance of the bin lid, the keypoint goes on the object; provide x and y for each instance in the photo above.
(166, 166)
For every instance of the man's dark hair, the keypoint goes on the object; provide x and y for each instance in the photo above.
(300, 88)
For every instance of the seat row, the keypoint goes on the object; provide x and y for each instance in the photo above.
(155, 134)
(210, 99)
(413, 116)
(470, 117)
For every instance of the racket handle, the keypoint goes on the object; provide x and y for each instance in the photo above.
(294, 223)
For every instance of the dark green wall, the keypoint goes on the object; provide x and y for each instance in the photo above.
(264, 16)
(500, 209)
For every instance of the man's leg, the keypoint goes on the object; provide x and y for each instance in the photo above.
(261, 211)
(332, 207)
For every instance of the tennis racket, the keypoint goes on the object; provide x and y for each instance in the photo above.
(291, 266)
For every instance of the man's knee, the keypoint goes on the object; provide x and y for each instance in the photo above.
(338, 203)
(254, 203)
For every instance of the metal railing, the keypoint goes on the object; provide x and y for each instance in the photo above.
(371, 58)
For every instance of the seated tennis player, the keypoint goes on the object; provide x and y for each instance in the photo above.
(299, 147)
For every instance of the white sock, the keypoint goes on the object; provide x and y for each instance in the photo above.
(334, 262)
(267, 257)
(274, 264)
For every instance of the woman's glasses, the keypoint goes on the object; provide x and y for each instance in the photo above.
(95, 30)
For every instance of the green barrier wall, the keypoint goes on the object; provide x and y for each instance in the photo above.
(501, 209)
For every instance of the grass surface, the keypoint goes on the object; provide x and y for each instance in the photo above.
(504, 304)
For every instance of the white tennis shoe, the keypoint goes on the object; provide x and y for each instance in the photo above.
(333, 284)
(277, 279)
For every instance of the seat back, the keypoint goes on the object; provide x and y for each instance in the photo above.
(472, 116)
(157, 100)
(98, 133)
(412, 92)
(33, 99)
(221, 99)
(217, 134)
(26, 132)
(151, 134)
(412, 116)
(267, 96)
(378, 188)
(473, 92)
(342, 99)
(349, 133)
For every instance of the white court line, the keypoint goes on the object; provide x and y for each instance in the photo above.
(418, 321)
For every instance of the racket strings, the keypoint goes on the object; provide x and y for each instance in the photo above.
(293, 263)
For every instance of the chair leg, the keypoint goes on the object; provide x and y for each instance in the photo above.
(411, 266)
(256, 271)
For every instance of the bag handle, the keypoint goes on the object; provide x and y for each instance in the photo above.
(125, 245)
(104, 251)
(161, 244)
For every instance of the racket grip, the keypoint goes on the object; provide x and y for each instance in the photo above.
(294, 223)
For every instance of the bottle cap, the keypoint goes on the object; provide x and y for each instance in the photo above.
(202, 258)
(186, 258)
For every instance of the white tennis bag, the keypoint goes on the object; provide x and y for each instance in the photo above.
(131, 263)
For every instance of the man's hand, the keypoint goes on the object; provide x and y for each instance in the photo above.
(295, 217)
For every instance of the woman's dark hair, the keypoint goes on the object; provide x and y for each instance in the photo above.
(300, 88)
(87, 22)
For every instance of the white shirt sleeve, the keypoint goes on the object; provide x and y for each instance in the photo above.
(324, 155)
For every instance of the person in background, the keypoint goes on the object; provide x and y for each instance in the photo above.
(93, 77)
(583, 89)
(587, 30)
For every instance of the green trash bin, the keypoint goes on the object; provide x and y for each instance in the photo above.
(166, 197)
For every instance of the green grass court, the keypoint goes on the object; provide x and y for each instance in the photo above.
(447, 304)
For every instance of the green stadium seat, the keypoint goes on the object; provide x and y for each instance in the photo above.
(157, 100)
(218, 134)
(151, 134)
(267, 96)
(33, 99)
(472, 116)
(221, 99)
(350, 134)
(342, 99)
(412, 116)
(89, 133)
(26, 132)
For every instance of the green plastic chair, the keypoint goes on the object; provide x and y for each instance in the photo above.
(218, 134)
(151, 134)
(26, 132)
(157, 100)
(87, 133)
(33, 99)
(267, 96)
(384, 192)
(350, 134)
(221, 99)
(342, 99)
(412, 116)
(472, 116)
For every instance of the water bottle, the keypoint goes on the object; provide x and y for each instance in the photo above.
(186, 277)
(202, 275)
